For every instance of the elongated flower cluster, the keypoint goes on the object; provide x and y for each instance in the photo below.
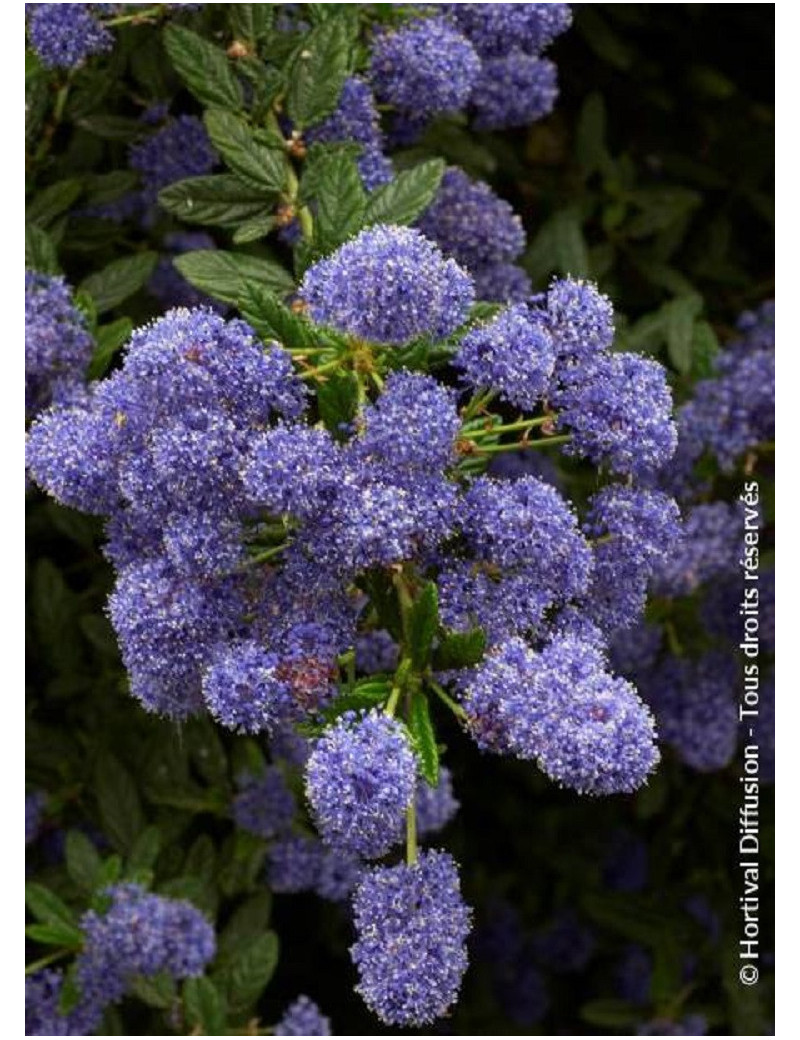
(411, 923)
(303, 1018)
(58, 345)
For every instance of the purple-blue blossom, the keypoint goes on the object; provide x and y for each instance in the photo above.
(501, 283)
(411, 925)
(580, 319)
(65, 35)
(514, 90)
(303, 1018)
(471, 224)
(618, 410)
(495, 29)
(43, 1015)
(356, 119)
(513, 354)
(425, 67)
(180, 149)
(435, 806)
(360, 780)
(264, 805)
(58, 346)
(388, 284)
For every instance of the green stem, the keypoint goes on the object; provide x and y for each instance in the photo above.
(478, 402)
(329, 366)
(454, 706)
(306, 222)
(49, 959)
(136, 18)
(523, 424)
(266, 555)
(411, 834)
(543, 442)
(391, 704)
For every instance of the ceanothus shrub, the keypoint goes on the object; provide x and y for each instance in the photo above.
(309, 447)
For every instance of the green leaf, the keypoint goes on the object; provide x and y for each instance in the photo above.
(220, 200)
(242, 861)
(559, 246)
(118, 801)
(273, 320)
(402, 200)
(610, 1012)
(358, 699)
(424, 738)
(262, 167)
(144, 851)
(47, 907)
(109, 341)
(460, 650)
(201, 859)
(205, 1007)
(52, 201)
(250, 23)
(244, 976)
(590, 136)
(82, 860)
(423, 622)
(659, 208)
(705, 347)
(337, 400)
(679, 316)
(109, 127)
(115, 282)
(246, 923)
(253, 229)
(203, 67)
(224, 275)
(40, 251)
(638, 918)
(318, 73)
(55, 934)
(340, 201)
(156, 991)
(206, 751)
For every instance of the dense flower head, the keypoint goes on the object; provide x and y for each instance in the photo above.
(388, 284)
(525, 523)
(292, 468)
(65, 35)
(695, 707)
(514, 90)
(360, 780)
(58, 346)
(494, 29)
(167, 626)
(301, 863)
(426, 66)
(635, 648)
(471, 224)
(413, 424)
(580, 319)
(141, 934)
(472, 596)
(618, 410)
(585, 728)
(264, 805)
(376, 651)
(178, 150)
(710, 546)
(435, 806)
(303, 1018)
(411, 924)
(501, 283)
(514, 354)
(635, 531)
(356, 119)
(43, 1016)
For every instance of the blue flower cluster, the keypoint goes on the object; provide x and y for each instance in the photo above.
(181, 148)
(356, 119)
(138, 935)
(561, 707)
(303, 1018)
(58, 346)
(412, 925)
(65, 35)
(483, 58)
(247, 538)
